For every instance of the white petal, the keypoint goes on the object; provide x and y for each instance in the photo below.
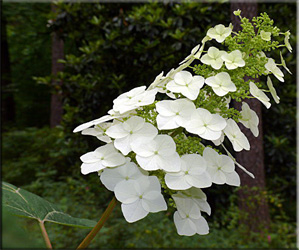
(202, 226)
(153, 202)
(176, 182)
(133, 211)
(127, 192)
(90, 157)
(148, 163)
(199, 181)
(233, 179)
(87, 168)
(184, 226)
(113, 160)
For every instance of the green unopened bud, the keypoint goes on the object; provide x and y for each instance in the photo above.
(237, 12)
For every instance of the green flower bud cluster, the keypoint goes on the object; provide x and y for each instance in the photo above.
(188, 144)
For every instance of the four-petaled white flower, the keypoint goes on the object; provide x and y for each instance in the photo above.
(259, 94)
(213, 58)
(111, 177)
(219, 32)
(192, 174)
(272, 67)
(221, 168)
(237, 138)
(266, 36)
(140, 197)
(221, 83)
(102, 157)
(159, 153)
(198, 196)
(130, 132)
(186, 84)
(208, 126)
(133, 99)
(233, 59)
(173, 114)
(249, 119)
(99, 131)
(188, 219)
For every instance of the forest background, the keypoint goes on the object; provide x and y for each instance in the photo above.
(105, 50)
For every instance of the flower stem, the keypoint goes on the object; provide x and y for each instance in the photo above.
(45, 234)
(99, 225)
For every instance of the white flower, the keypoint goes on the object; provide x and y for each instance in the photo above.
(237, 138)
(111, 177)
(133, 99)
(198, 196)
(139, 197)
(184, 83)
(102, 157)
(206, 125)
(173, 114)
(266, 36)
(287, 42)
(131, 132)
(99, 131)
(187, 219)
(272, 67)
(160, 153)
(221, 83)
(221, 168)
(284, 63)
(219, 32)
(249, 119)
(259, 94)
(233, 60)
(192, 174)
(213, 58)
(272, 90)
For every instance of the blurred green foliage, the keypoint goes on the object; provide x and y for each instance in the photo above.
(29, 42)
(111, 48)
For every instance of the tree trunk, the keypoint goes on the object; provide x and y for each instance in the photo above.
(251, 196)
(7, 100)
(56, 99)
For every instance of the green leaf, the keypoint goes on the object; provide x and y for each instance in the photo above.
(23, 203)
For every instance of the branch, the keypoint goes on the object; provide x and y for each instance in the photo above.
(99, 225)
(45, 234)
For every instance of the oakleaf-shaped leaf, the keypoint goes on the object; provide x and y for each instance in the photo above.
(23, 203)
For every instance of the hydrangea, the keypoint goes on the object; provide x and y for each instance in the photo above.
(192, 174)
(219, 32)
(213, 58)
(163, 140)
(249, 119)
(206, 125)
(259, 94)
(272, 67)
(186, 84)
(221, 83)
(233, 59)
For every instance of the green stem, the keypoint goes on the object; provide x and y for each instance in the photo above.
(99, 225)
(45, 234)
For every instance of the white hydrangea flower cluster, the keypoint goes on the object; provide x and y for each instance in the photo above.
(141, 161)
